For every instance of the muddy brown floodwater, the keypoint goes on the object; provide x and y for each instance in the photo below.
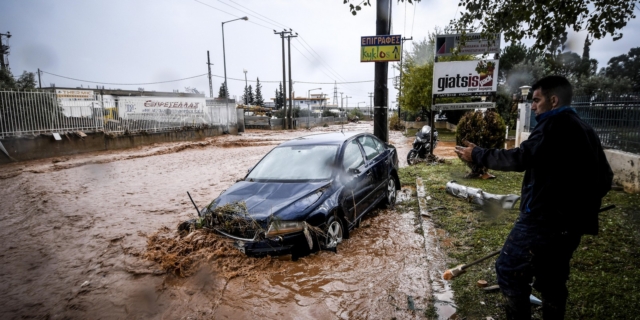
(76, 229)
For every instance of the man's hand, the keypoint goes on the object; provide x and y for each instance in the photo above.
(465, 153)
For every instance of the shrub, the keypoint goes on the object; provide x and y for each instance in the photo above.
(395, 123)
(486, 130)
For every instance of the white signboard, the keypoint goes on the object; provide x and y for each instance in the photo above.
(474, 43)
(163, 105)
(464, 106)
(70, 94)
(465, 78)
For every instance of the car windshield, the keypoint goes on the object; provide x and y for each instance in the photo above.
(310, 162)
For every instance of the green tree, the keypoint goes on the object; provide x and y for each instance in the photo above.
(279, 98)
(511, 55)
(249, 94)
(222, 93)
(545, 20)
(258, 100)
(626, 65)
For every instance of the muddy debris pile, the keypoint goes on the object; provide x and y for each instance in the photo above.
(231, 218)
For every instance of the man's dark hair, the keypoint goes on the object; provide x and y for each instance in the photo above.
(555, 85)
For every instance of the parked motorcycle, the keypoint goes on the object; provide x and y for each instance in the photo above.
(422, 144)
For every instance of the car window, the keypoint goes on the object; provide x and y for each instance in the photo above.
(379, 145)
(300, 162)
(352, 156)
(370, 149)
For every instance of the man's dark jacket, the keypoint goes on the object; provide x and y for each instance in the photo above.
(566, 173)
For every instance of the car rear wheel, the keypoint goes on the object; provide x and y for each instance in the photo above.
(411, 157)
(334, 232)
(390, 195)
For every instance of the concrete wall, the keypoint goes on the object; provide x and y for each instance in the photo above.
(626, 169)
(445, 125)
(414, 124)
(45, 146)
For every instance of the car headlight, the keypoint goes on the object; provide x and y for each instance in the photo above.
(283, 227)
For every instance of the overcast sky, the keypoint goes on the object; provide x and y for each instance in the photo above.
(142, 41)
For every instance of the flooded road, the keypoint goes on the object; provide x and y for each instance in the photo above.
(76, 230)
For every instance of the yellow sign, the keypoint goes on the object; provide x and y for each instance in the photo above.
(380, 48)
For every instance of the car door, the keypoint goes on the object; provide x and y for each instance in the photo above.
(358, 181)
(375, 164)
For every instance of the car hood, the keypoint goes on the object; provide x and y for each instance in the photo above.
(280, 199)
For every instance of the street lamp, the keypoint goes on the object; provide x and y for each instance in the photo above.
(224, 60)
(246, 97)
(525, 91)
(523, 122)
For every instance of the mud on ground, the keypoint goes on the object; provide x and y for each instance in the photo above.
(93, 235)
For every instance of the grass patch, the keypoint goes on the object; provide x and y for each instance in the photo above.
(411, 132)
(604, 281)
(446, 135)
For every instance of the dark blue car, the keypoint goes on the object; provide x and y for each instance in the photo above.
(307, 194)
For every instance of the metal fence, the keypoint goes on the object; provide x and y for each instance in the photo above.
(616, 120)
(37, 112)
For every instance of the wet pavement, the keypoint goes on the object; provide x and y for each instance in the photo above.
(75, 233)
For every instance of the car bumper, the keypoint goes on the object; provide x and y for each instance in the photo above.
(280, 245)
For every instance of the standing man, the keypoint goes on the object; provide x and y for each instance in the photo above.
(566, 176)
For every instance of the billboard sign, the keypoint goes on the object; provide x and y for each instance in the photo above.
(464, 106)
(447, 44)
(465, 78)
(381, 48)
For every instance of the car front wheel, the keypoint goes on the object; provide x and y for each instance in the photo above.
(334, 232)
(390, 195)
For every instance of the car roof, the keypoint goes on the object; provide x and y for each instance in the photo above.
(322, 138)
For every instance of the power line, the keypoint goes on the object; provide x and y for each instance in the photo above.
(123, 84)
(226, 4)
(413, 22)
(281, 25)
(231, 14)
(201, 75)
(310, 49)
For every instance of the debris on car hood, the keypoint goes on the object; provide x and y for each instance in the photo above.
(480, 197)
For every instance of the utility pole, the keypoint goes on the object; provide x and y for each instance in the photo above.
(290, 82)
(341, 101)
(246, 95)
(381, 92)
(347, 97)
(4, 51)
(371, 104)
(210, 81)
(39, 82)
(335, 92)
(284, 79)
(401, 71)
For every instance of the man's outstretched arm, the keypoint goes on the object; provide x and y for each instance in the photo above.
(516, 159)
